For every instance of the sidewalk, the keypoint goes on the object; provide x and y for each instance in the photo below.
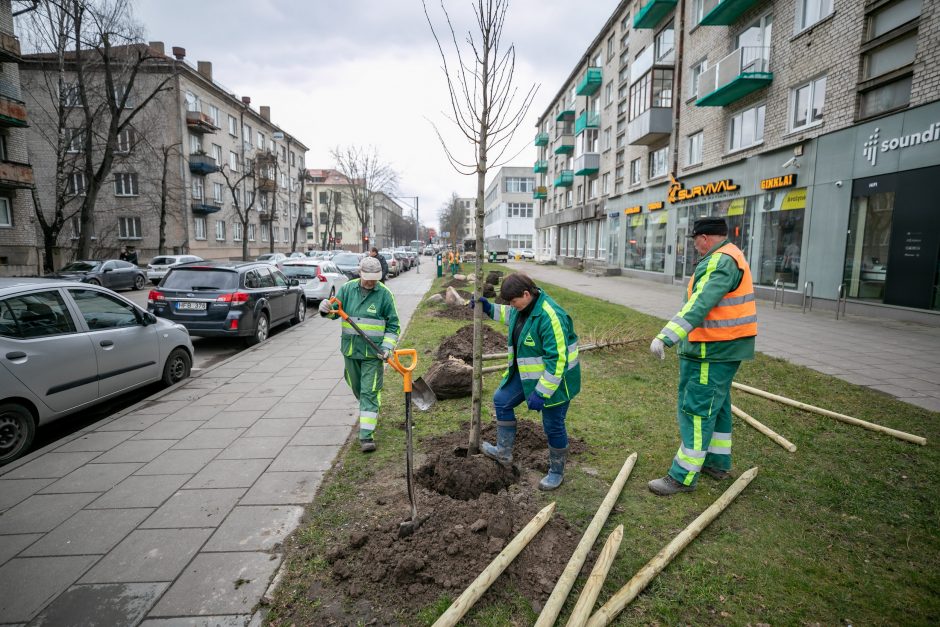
(899, 358)
(172, 513)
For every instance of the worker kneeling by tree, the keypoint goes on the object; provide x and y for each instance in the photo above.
(371, 306)
(543, 370)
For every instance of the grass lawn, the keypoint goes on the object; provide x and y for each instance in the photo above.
(845, 530)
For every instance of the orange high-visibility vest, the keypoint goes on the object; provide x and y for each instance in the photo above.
(735, 315)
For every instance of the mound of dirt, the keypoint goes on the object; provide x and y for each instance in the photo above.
(494, 276)
(450, 378)
(456, 283)
(464, 477)
(460, 344)
(489, 291)
(454, 312)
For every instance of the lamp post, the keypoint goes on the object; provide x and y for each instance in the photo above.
(417, 227)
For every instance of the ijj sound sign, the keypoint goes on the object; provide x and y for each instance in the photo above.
(875, 144)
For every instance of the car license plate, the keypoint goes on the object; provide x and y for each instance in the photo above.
(301, 281)
(191, 306)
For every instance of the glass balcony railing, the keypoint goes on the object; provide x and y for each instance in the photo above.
(565, 178)
(724, 12)
(586, 120)
(566, 112)
(591, 82)
(742, 72)
(540, 192)
(541, 139)
(652, 13)
(540, 167)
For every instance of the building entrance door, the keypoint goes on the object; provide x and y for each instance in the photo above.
(613, 241)
(684, 251)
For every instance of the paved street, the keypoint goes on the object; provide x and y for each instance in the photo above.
(171, 512)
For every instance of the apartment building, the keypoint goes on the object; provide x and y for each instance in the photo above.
(811, 126)
(508, 208)
(195, 151)
(19, 254)
(470, 220)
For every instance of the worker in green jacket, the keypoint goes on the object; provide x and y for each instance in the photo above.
(543, 370)
(370, 305)
(715, 331)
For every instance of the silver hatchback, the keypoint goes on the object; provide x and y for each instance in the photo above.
(65, 346)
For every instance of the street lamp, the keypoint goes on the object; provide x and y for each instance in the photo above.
(417, 225)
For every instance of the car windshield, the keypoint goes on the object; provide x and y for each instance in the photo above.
(266, 257)
(386, 255)
(81, 266)
(200, 279)
(299, 272)
(162, 261)
(346, 259)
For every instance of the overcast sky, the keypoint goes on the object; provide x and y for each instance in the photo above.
(367, 72)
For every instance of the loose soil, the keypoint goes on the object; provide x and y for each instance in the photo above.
(454, 312)
(456, 283)
(460, 344)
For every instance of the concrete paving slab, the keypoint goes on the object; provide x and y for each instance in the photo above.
(304, 458)
(194, 508)
(311, 396)
(283, 488)
(273, 387)
(285, 409)
(92, 478)
(257, 402)
(11, 546)
(218, 398)
(229, 419)
(322, 436)
(166, 405)
(50, 466)
(191, 394)
(267, 427)
(135, 451)
(334, 418)
(208, 438)
(169, 430)
(187, 462)
(101, 604)
(29, 584)
(42, 512)
(140, 491)
(218, 583)
(319, 382)
(149, 555)
(96, 441)
(255, 528)
(88, 532)
(338, 402)
(201, 621)
(928, 402)
(255, 448)
(252, 377)
(200, 412)
(13, 491)
(228, 473)
(132, 422)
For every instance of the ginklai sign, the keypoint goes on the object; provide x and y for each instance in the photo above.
(787, 180)
(678, 192)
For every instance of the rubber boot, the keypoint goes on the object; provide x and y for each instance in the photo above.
(502, 452)
(556, 468)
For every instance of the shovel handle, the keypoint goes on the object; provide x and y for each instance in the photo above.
(404, 369)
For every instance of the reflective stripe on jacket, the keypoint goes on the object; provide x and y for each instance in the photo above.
(735, 315)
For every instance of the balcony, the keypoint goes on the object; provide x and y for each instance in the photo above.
(265, 184)
(566, 113)
(540, 193)
(587, 119)
(652, 13)
(565, 178)
(540, 167)
(742, 72)
(205, 208)
(587, 164)
(590, 83)
(650, 126)
(9, 48)
(306, 223)
(202, 164)
(15, 175)
(199, 122)
(564, 140)
(267, 216)
(12, 113)
(724, 12)
(541, 139)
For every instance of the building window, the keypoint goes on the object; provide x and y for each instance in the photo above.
(807, 102)
(264, 232)
(260, 142)
(237, 231)
(635, 169)
(213, 113)
(246, 136)
(698, 11)
(274, 233)
(129, 228)
(659, 162)
(608, 93)
(809, 12)
(217, 191)
(6, 212)
(518, 210)
(606, 139)
(233, 126)
(192, 101)
(200, 227)
(286, 234)
(125, 184)
(605, 183)
(217, 154)
(695, 143)
(75, 137)
(195, 144)
(592, 189)
(654, 89)
(233, 161)
(520, 184)
(251, 232)
(220, 231)
(887, 61)
(76, 184)
(666, 44)
(198, 188)
(70, 96)
(125, 140)
(695, 74)
(747, 128)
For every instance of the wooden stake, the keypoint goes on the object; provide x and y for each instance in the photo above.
(645, 575)
(582, 609)
(565, 582)
(586, 347)
(485, 579)
(770, 433)
(901, 435)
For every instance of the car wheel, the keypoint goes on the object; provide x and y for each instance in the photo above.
(139, 282)
(93, 282)
(301, 313)
(261, 331)
(17, 430)
(177, 367)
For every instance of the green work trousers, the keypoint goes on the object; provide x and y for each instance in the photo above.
(704, 417)
(364, 378)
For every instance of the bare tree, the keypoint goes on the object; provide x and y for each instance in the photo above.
(236, 183)
(365, 174)
(332, 216)
(487, 108)
(452, 217)
(301, 224)
(169, 193)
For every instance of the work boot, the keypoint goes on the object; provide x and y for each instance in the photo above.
(556, 468)
(668, 486)
(502, 452)
(715, 473)
(367, 446)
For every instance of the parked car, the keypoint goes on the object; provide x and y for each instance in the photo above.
(112, 273)
(297, 255)
(320, 279)
(527, 253)
(394, 268)
(229, 299)
(158, 266)
(429, 251)
(403, 261)
(68, 345)
(348, 264)
(271, 258)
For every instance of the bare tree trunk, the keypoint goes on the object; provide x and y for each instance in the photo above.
(164, 192)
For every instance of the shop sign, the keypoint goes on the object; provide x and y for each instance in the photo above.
(632, 210)
(874, 145)
(655, 206)
(678, 192)
(795, 199)
(736, 208)
(787, 180)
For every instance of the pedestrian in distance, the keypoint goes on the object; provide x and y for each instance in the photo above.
(369, 304)
(543, 370)
(715, 331)
(375, 253)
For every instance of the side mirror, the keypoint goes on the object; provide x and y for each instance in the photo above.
(293, 282)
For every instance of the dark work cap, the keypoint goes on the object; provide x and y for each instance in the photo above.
(709, 226)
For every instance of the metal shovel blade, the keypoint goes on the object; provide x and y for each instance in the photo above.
(422, 395)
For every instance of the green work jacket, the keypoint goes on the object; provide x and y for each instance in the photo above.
(710, 284)
(547, 358)
(375, 313)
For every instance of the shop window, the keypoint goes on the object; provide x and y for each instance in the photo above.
(867, 244)
(780, 223)
(645, 247)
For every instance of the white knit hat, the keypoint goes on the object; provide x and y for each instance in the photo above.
(370, 269)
